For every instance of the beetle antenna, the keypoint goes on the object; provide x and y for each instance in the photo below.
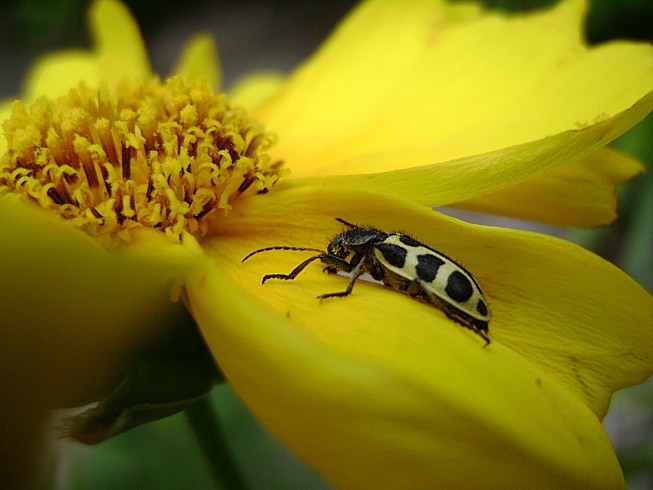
(267, 249)
(346, 223)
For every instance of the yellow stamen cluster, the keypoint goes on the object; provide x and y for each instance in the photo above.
(169, 156)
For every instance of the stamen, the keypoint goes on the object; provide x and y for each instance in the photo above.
(171, 156)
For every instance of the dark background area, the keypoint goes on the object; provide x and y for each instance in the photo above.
(250, 33)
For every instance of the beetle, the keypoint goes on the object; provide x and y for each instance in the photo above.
(402, 263)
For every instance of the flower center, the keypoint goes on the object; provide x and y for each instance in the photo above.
(170, 156)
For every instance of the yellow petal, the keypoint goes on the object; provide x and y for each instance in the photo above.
(438, 89)
(580, 194)
(200, 60)
(366, 422)
(118, 42)
(70, 309)
(540, 288)
(255, 88)
(377, 389)
(469, 177)
(119, 52)
(56, 73)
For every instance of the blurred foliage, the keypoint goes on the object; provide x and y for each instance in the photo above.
(47, 24)
(164, 455)
(607, 19)
(44, 24)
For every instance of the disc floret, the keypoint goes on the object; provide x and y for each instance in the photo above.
(166, 155)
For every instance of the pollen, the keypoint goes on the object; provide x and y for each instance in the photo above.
(171, 156)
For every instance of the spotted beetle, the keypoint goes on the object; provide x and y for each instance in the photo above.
(404, 264)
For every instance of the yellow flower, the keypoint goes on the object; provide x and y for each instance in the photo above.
(408, 104)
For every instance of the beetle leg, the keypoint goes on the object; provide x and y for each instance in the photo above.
(355, 273)
(466, 322)
(333, 263)
(295, 271)
(483, 336)
(451, 312)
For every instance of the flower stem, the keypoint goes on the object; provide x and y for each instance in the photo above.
(205, 424)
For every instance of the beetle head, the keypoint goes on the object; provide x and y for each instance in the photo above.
(338, 246)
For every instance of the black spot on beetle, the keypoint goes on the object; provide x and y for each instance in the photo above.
(394, 254)
(410, 241)
(481, 307)
(427, 267)
(458, 287)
